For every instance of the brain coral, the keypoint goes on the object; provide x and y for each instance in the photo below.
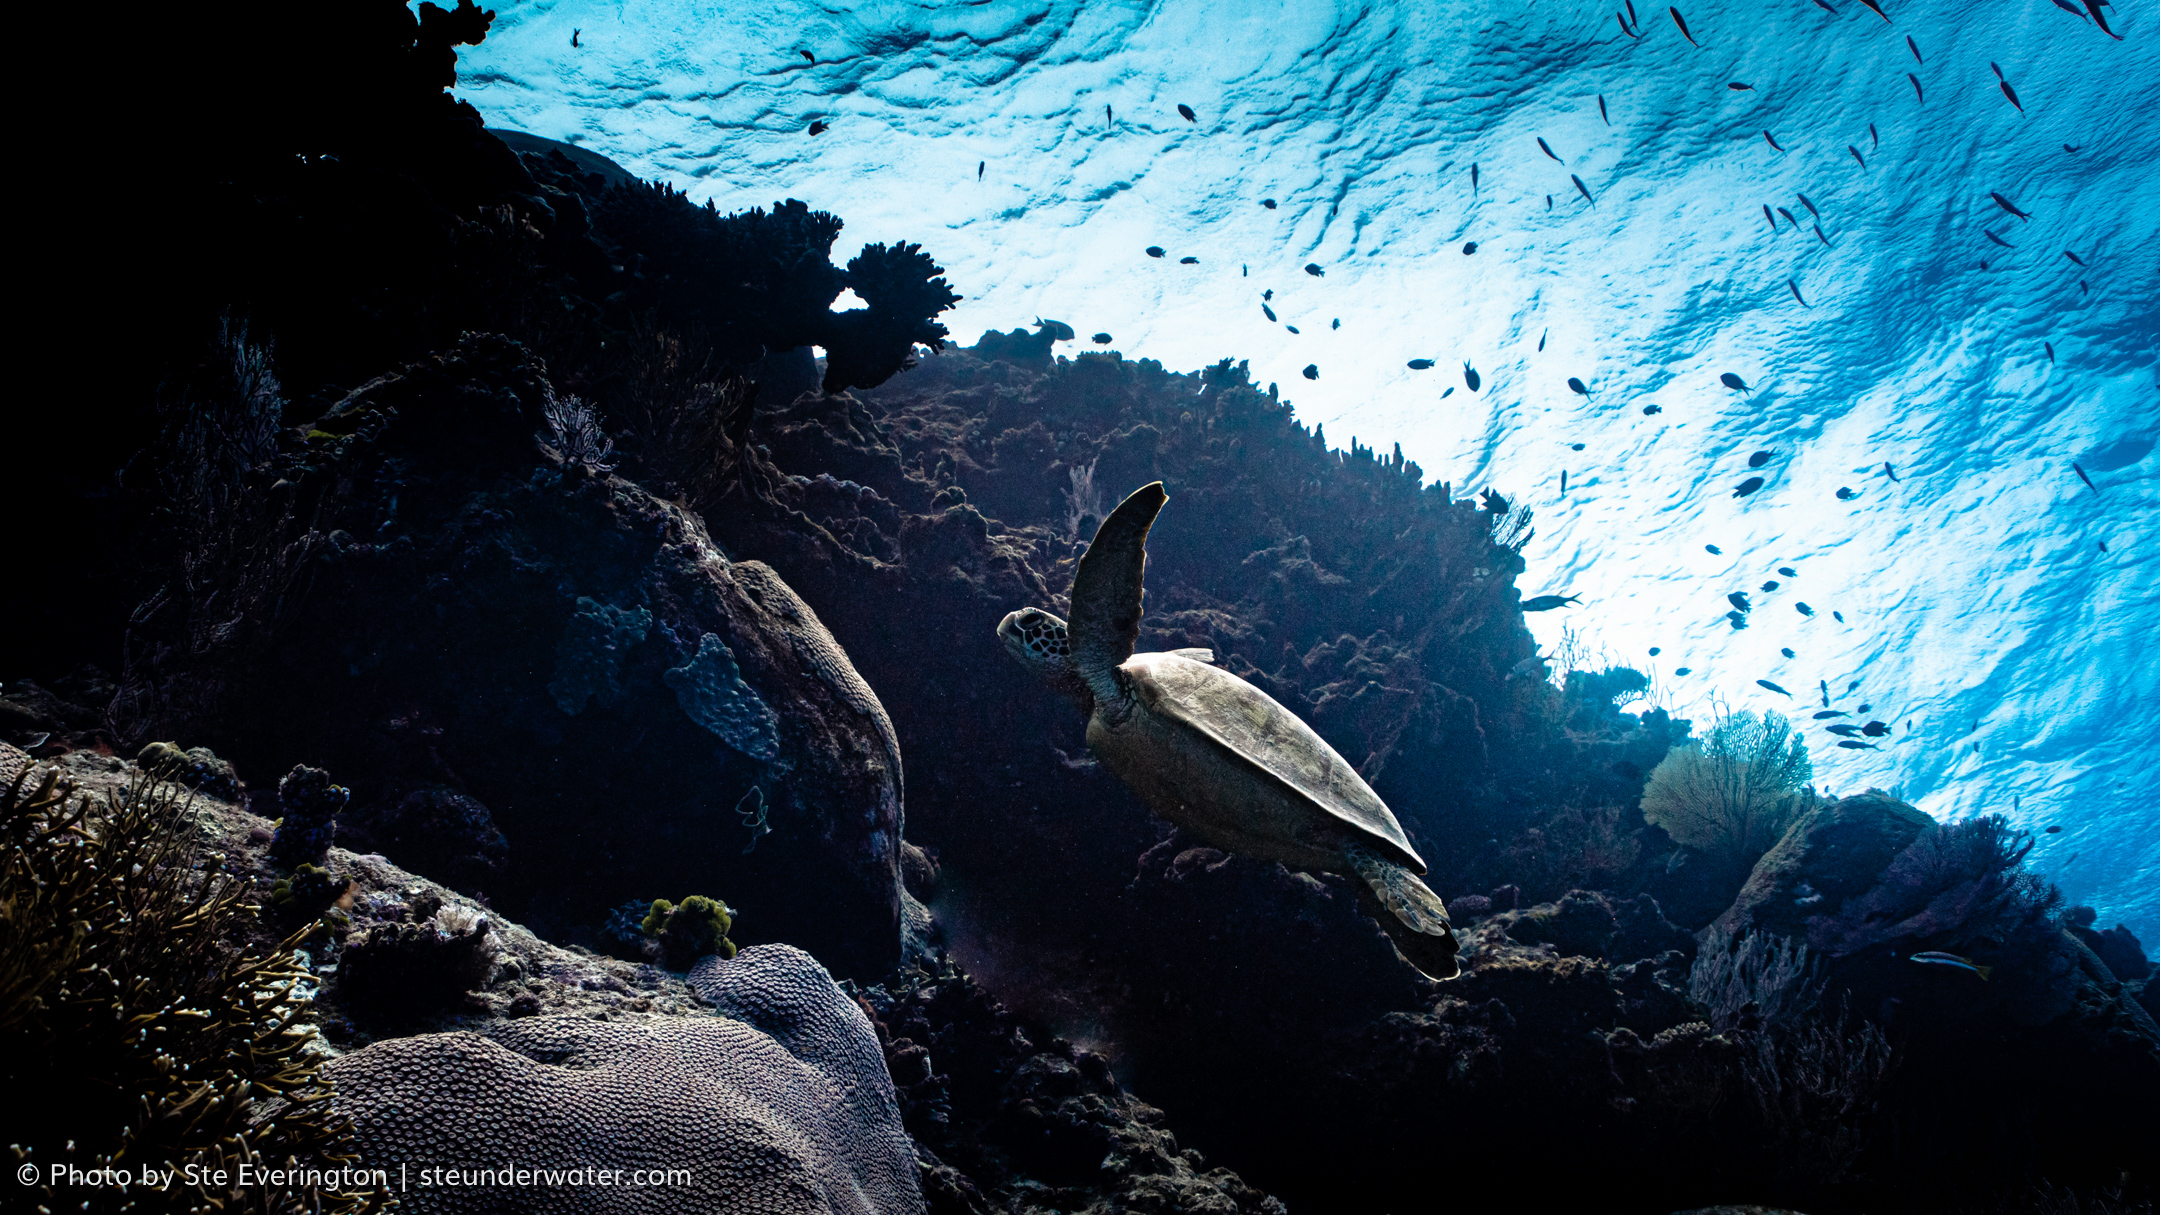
(782, 1104)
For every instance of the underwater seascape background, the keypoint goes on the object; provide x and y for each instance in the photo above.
(1981, 617)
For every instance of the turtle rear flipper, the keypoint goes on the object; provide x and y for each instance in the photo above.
(1408, 911)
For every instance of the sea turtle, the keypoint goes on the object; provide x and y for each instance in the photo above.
(1215, 755)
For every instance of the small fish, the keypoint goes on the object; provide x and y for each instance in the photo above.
(2082, 477)
(2011, 93)
(1819, 236)
(1188, 261)
(1865, 707)
(2070, 149)
(1732, 381)
(1841, 728)
(1739, 600)
(1997, 239)
(1469, 247)
(1420, 364)
(1682, 23)
(1768, 587)
(1576, 386)
(1548, 149)
(1470, 377)
(2100, 18)
(809, 57)
(1872, 135)
(2054, 830)
(1761, 458)
(1787, 652)
(2050, 348)
(1766, 214)
(1622, 19)
(1683, 671)
(1653, 651)
(1563, 482)
(1575, 446)
(1541, 340)
(2074, 257)
(1914, 47)
(1856, 155)
(1108, 117)
(2073, 10)
(1313, 268)
(1101, 339)
(1845, 494)
(1312, 371)
(1773, 141)
(1747, 487)
(1824, 684)
(1154, 250)
(1548, 202)
(1788, 215)
(1840, 617)
(1875, 729)
(1738, 87)
(1713, 550)
(1268, 294)
(2007, 205)
(575, 32)
(2083, 289)
(1267, 311)
(1852, 687)
(1473, 179)
(1450, 392)
(1293, 328)
(1788, 571)
(1804, 201)
(1585, 189)
(1773, 687)
(1824, 5)
(1803, 609)
(1187, 112)
(980, 165)
(1938, 958)
(1269, 203)
(819, 127)
(1892, 472)
(1918, 93)
(1827, 714)
(1601, 110)
(1546, 603)
(1632, 18)
(1796, 293)
(1853, 744)
(1878, 10)
(1336, 323)
(1652, 410)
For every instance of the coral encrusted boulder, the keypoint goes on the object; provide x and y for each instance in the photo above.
(444, 603)
(779, 1106)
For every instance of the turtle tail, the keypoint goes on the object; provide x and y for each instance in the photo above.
(1408, 911)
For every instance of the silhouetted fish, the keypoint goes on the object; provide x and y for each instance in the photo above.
(1187, 111)
(2054, 830)
(1293, 328)
(1548, 149)
(1188, 261)
(1914, 47)
(1622, 19)
(2050, 348)
(1788, 215)
(1917, 91)
(1851, 744)
(2082, 477)
(1773, 687)
(1796, 293)
(1580, 388)
(1652, 410)
(1585, 189)
(1819, 236)
(1825, 6)
(1873, 136)
(1541, 340)
(1059, 331)
(1773, 141)
(1788, 571)
(1470, 377)
(1760, 458)
(1683, 671)
(1889, 470)
(1450, 392)
(1269, 203)
(1108, 117)
(1840, 617)
(2073, 10)
(1845, 494)
(1739, 600)
(1102, 339)
(1806, 202)
(1312, 371)
(2070, 149)
(1473, 179)
(1154, 250)
(2100, 18)
(1548, 202)
(1856, 155)
(980, 165)
(2007, 205)
(1546, 603)
(1841, 728)
(1827, 714)
(1682, 23)
(1738, 87)
(1601, 110)
(1268, 294)
(1267, 311)
(1747, 487)
(1875, 729)
(1878, 10)
(2074, 257)
(575, 32)
(819, 127)
(2012, 95)
(1824, 684)
(1765, 214)
(1713, 550)
(1563, 483)
(1313, 268)
(1851, 687)
(1787, 652)
(1803, 609)
(1997, 239)
(1420, 364)
(1732, 381)
(1469, 247)
(810, 57)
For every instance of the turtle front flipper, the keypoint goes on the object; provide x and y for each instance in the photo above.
(1408, 911)
(1106, 595)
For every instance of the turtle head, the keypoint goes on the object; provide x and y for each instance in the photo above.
(1039, 641)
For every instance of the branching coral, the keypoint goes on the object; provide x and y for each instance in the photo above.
(147, 1039)
(1735, 793)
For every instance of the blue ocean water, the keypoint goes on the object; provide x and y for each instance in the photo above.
(1036, 149)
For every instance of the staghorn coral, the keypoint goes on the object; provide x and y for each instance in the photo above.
(150, 1040)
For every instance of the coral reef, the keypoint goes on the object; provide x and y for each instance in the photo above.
(1733, 794)
(693, 929)
(308, 804)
